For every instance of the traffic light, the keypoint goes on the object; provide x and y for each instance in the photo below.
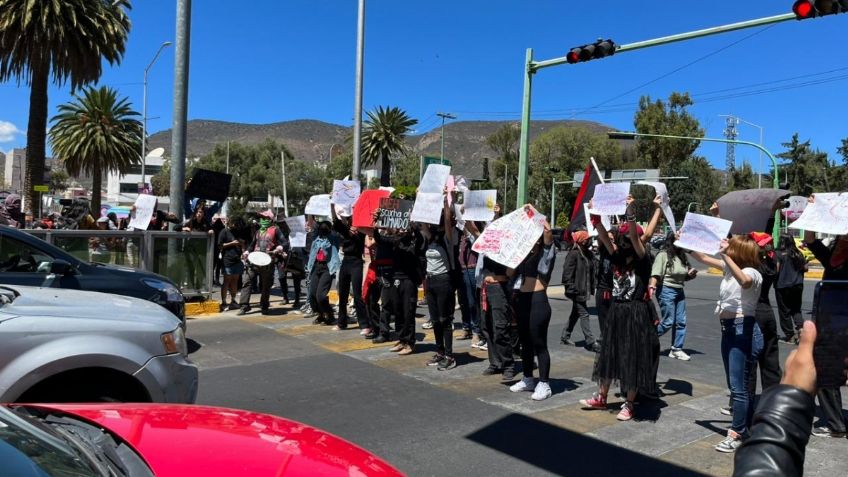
(804, 9)
(597, 50)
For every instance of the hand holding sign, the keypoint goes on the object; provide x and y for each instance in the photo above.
(827, 213)
(610, 199)
(702, 233)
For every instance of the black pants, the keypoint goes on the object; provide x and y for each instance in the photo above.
(320, 282)
(265, 275)
(399, 299)
(603, 300)
(830, 401)
(769, 359)
(350, 277)
(284, 286)
(373, 306)
(534, 316)
(441, 301)
(580, 312)
(789, 308)
(497, 326)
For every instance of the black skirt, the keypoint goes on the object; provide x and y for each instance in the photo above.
(627, 354)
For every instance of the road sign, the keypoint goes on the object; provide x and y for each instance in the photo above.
(40, 188)
(435, 160)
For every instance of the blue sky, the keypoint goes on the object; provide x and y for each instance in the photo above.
(263, 61)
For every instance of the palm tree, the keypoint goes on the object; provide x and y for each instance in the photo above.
(96, 133)
(65, 41)
(383, 136)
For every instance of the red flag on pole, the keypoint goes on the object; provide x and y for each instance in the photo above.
(591, 178)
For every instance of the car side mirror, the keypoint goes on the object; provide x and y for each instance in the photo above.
(61, 267)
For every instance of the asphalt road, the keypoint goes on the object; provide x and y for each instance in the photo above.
(458, 422)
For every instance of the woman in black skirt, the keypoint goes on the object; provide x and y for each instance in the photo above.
(629, 332)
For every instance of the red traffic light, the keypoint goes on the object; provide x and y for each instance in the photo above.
(803, 9)
(597, 50)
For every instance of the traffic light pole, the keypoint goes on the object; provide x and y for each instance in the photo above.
(775, 178)
(531, 67)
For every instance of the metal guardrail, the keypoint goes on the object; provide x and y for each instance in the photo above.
(190, 267)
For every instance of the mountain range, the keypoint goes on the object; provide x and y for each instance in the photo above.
(311, 140)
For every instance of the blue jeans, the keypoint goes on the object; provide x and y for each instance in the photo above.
(469, 302)
(673, 308)
(741, 340)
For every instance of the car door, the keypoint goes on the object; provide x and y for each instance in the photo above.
(23, 264)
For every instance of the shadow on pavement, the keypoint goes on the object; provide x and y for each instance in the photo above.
(193, 346)
(565, 452)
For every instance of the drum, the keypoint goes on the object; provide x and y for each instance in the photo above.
(259, 259)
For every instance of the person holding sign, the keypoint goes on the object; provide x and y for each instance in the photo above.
(534, 313)
(629, 334)
(739, 293)
(322, 267)
(350, 272)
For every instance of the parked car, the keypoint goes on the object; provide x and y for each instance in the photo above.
(138, 440)
(28, 260)
(74, 346)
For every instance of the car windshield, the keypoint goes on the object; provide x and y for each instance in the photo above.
(27, 450)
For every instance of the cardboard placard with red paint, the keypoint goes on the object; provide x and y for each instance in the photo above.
(365, 205)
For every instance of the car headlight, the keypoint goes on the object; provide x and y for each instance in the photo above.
(171, 292)
(175, 342)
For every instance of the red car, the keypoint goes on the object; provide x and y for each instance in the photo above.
(154, 440)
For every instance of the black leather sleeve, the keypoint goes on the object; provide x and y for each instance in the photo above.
(779, 435)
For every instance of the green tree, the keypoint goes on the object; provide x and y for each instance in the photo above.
(671, 118)
(407, 170)
(806, 170)
(58, 180)
(700, 189)
(65, 41)
(744, 177)
(504, 142)
(383, 137)
(161, 181)
(95, 133)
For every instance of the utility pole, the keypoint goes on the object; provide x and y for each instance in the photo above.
(444, 116)
(357, 109)
(178, 136)
(285, 197)
(225, 209)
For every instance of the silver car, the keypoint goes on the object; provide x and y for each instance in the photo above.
(59, 345)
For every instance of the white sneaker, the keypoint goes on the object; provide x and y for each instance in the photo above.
(542, 391)
(730, 443)
(526, 384)
(679, 354)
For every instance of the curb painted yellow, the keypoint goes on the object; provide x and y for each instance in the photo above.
(199, 309)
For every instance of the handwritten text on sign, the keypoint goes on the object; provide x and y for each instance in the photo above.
(345, 192)
(702, 233)
(394, 214)
(510, 238)
(318, 205)
(297, 230)
(428, 208)
(479, 205)
(144, 207)
(610, 199)
(435, 178)
(828, 215)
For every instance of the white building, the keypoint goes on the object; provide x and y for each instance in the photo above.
(123, 189)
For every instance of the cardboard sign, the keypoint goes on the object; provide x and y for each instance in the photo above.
(209, 185)
(345, 192)
(750, 209)
(394, 214)
(366, 204)
(665, 205)
(797, 204)
(479, 205)
(297, 230)
(510, 238)
(828, 215)
(145, 205)
(610, 199)
(435, 178)
(428, 208)
(702, 233)
(318, 205)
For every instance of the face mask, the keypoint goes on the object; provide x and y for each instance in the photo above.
(264, 224)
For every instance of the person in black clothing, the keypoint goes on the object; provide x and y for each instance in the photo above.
(231, 248)
(440, 263)
(293, 265)
(789, 288)
(217, 259)
(578, 278)
(350, 274)
(769, 358)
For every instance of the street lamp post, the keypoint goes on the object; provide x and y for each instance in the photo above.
(144, 112)
(444, 116)
(357, 106)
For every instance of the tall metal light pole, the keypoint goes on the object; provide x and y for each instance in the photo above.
(178, 131)
(760, 163)
(144, 112)
(357, 109)
(444, 116)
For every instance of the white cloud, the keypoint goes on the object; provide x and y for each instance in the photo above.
(8, 131)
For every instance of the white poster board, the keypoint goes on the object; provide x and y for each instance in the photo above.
(145, 205)
(702, 233)
(345, 192)
(318, 205)
(479, 205)
(297, 230)
(435, 178)
(827, 215)
(428, 207)
(665, 205)
(797, 204)
(510, 238)
(610, 198)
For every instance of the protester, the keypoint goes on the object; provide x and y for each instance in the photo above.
(217, 258)
(534, 314)
(268, 239)
(469, 298)
(322, 268)
(372, 289)
(768, 359)
(10, 211)
(100, 247)
(440, 294)
(669, 273)
(578, 280)
(629, 332)
(789, 288)
(113, 221)
(834, 259)
(740, 336)
(350, 271)
(231, 250)
(194, 251)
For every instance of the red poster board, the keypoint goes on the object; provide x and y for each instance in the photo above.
(366, 204)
